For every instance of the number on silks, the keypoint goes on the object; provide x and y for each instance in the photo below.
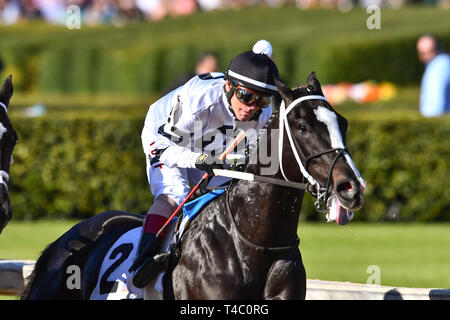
(107, 286)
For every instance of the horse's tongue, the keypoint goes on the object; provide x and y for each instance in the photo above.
(342, 217)
(336, 212)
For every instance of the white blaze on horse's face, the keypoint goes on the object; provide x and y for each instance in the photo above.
(2, 130)
(329, 117)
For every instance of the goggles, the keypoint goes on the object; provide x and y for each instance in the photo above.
(248, 96)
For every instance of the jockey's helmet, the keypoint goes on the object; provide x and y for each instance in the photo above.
(255, 71)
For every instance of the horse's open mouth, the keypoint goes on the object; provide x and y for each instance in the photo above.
(337, 212)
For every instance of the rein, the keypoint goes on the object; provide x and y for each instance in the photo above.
(253, 177)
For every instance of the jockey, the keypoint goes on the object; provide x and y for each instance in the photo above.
(183, 130)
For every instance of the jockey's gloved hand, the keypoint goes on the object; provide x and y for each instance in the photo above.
(237, 161)
(207, 163)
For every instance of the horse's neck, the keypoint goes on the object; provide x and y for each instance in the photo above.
(264, 159)
(264, 213)
(268, 213)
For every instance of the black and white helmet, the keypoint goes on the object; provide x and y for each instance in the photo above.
(255, 71)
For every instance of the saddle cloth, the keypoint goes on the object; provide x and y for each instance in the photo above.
(112, 282)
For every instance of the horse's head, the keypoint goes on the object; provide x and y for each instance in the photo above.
(316, 135)
(8, 139)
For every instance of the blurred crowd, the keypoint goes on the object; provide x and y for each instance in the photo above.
(364, 92)
(118, 12)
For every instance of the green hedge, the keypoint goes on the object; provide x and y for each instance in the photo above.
(405, 162)
(77, 167)
(74, 168)
(147, 57)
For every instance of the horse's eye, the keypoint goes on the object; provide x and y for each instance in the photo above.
(303, 128)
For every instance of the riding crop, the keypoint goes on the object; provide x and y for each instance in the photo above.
(230, 148)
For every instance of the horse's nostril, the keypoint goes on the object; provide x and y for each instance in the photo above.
(347, 186)
(347, 189)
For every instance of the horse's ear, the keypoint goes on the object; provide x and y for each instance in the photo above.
(314, 84)
(7, 91)
(284, 90)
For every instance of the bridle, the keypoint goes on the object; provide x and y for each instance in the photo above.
(312, 185)
(320, 193)
(4, 176)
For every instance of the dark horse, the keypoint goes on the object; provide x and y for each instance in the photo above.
(243, 244)
(8, 139)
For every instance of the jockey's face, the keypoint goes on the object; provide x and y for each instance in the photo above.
(243, 111)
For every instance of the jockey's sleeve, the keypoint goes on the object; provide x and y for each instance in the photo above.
(184, 123)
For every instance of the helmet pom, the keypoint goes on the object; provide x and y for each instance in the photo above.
(263, 47)
(255, 69)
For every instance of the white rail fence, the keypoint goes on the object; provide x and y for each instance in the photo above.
(14, 272)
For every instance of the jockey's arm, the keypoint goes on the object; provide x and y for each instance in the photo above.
(176, 135)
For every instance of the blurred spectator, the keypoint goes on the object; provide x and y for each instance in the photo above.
(30, 10)
(53, 11)
(153, 9)
(100, 11)
(435, 86)
(206, 62)
(119, 12)
(208, 5)
(183, 7)
(128, 9)
(9, 12)
(444, 4)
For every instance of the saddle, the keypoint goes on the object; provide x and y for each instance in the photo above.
(166, 261)
(168, 258)
(113, 276)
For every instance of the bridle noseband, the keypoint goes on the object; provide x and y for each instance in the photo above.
(323, 194)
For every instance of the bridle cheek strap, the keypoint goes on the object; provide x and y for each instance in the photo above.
(4, 106)
(4, 177)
